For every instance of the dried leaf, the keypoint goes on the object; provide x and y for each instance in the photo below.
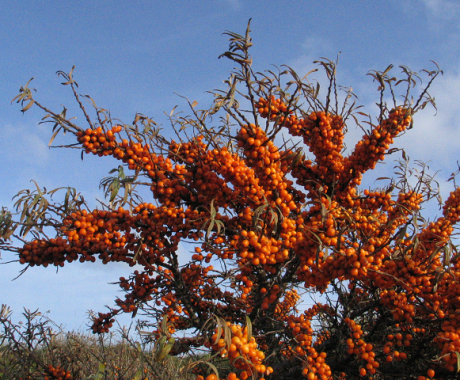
(249, 328)
(53, 136)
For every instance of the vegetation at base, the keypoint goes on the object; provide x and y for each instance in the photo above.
(36, 348)
(262, 194)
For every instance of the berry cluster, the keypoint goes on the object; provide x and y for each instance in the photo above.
(241, 352)
(237, 220)
(57, 373)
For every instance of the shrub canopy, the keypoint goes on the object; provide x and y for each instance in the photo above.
(264, 204)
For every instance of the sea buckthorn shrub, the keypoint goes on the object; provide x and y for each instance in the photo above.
(269, 207)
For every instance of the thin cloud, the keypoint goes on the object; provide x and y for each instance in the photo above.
(433, 132)
(234, 4)
(313, 49)
(443, 9)
(32, 148)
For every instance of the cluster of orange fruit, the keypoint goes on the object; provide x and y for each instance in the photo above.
(103, 322)
(324, 133)
(57, 373)
(303, 344)
(416, 269)
(287, 306)
(357, 346)
(269, 214)
(242, 353)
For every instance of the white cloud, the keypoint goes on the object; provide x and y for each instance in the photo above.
(435, 135)
(443, 9)
(234, 4)
(314, 48)
(31, 148)
(26, 159)
(439, 14)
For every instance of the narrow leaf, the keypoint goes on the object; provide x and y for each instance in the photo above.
(249, 328)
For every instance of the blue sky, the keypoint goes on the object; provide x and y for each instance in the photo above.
(135, 56)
